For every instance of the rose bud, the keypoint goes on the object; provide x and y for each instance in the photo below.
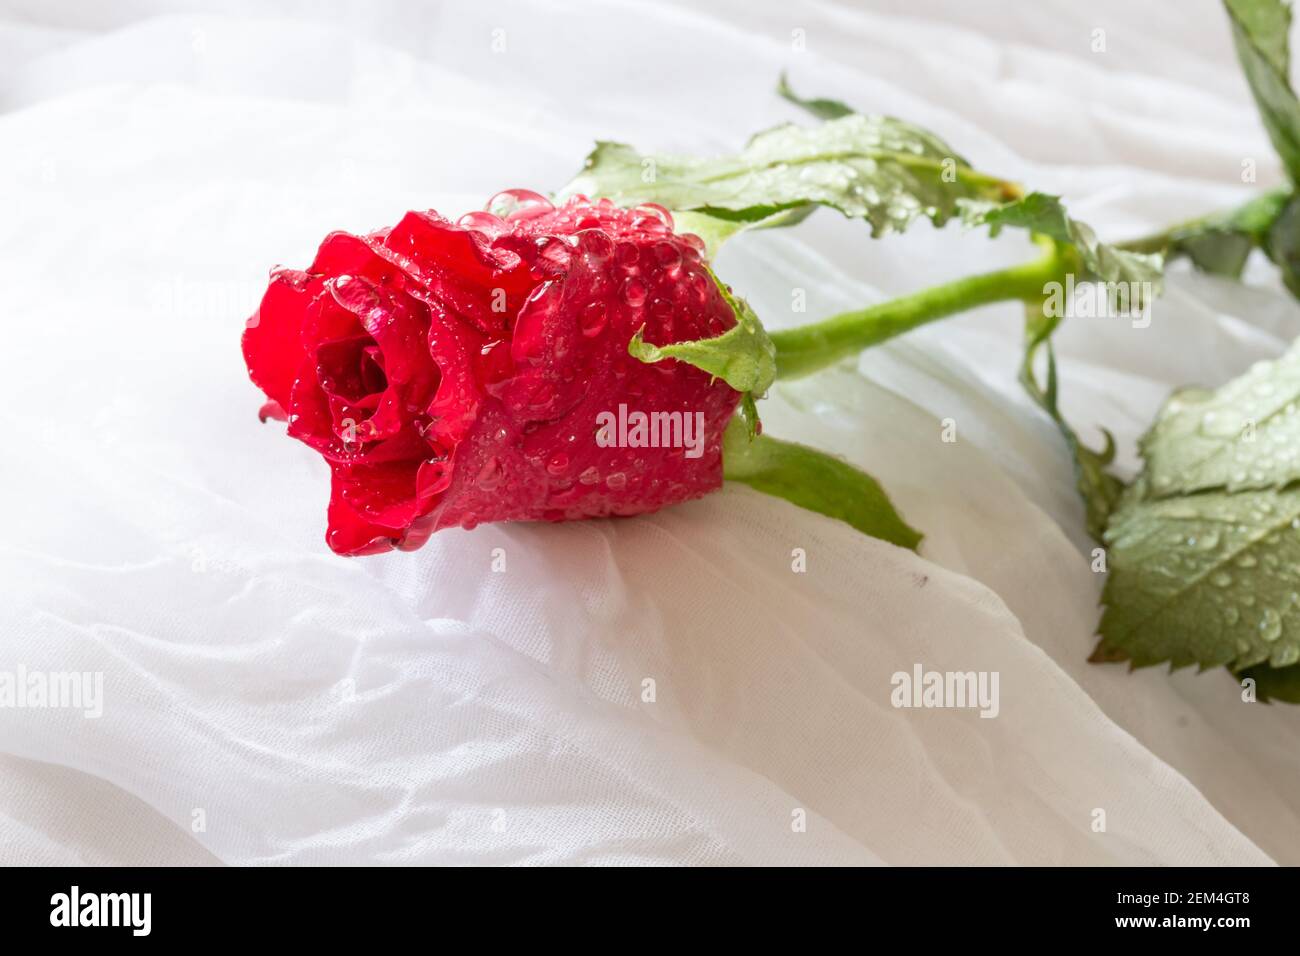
(483, 370)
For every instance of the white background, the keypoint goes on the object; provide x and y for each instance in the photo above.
(156, 159)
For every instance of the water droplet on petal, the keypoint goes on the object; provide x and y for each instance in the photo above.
(355, 295)
(514, 205)
(596, 243)
(483, 222)
(656, 212)
(530, 332)
(554, 255)
(634, 292)
(489, 475)
(701, 286)
(694, 241)
(628, 256)
(296, 279)
(668, 256)
(592, 319)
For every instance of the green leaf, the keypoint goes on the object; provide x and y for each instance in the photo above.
(1208, 579)
(1265, 25)
(1275, 683)
(1283, 244)
(1221, 242)
(875, 168)
(1245, 435)
(743, 356)
(1204, 550)
(813, 480)
(1259, 31)
(1219, 252)
(820, 108)
(1045, 215)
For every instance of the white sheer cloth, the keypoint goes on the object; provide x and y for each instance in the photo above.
(267, 702)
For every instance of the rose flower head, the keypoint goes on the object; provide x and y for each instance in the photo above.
(452, 373)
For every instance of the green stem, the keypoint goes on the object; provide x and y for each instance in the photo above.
(808, 348)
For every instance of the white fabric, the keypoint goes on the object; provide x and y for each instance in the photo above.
(425, 708)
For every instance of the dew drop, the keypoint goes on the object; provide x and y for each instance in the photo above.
(652, 210)
(483, 222)
(634, 292)
(489, 475)
(555, 255)
(514, 205)
(667, 255)
(628, 256)
(295, 279)
(529, 342)
(700, 286)
(592, 319)
(1270, 625)
(595, 243)
(355, 295)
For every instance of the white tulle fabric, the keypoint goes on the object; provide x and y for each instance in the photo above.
(267, 702)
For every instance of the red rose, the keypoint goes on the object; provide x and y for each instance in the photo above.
(454, 373)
